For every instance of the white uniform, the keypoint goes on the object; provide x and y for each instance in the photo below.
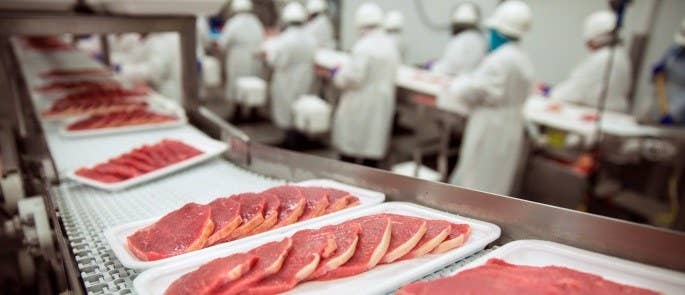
(241, 39)
(584, 86)
(321, 29)
(463, 54)
(401, 46)
(159, 65)
(292, 58)
(363, 119)
(493, 138)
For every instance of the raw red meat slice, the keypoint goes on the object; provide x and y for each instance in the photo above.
(141, 156)
(353, 201)
(119, 119)
(181, 231)
(346, 238)
(271, 258)
(407, 231)
(154, 155)
(106, 178)
(226, 218)
(459, 233)
(435, 234)
(181, 148)
(316, 202)
(292, 204)
(75, 72)
(337, 200)
(308, 248)
(130, 162)
(499, 277)
(273, 206)
(120, 171)
(213, 275)
(251, 211)
(374, 239)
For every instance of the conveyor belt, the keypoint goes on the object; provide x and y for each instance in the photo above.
(86, 212)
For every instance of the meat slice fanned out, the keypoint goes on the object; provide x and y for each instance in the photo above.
(213, 275)
(292, 204)
(181, 231)
(458, 235)
(337, 199)
(436, 233)
(407, 231)
(346, 239)
(226, 218)
(271, 211)
(251, 212)
(316, 202)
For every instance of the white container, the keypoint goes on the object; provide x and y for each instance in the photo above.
(210, 148)
(164, 7)
(116, 236)
(545, 253)
(379, 280)
(312, 115)
(251, 91)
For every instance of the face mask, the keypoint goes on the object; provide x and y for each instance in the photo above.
(496, 39)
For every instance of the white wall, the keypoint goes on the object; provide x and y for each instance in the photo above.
(554, 43)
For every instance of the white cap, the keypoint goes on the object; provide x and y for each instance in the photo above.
(680, 36)
(241, 5)
(512, 18)
(368, 14)
(466, 14)
(598, 24)
(394, 20)
(316, 6)
(293, 12)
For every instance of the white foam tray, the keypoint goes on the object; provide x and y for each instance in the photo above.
(379, 280)
(182, 7)
(116, 236)
(210, 148)
(545, 253)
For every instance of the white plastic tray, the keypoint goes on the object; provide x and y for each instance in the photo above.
(545, 253)
(379, 280)
(116, 236)
(210, 148)
(183, 7)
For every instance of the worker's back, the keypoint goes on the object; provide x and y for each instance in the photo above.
(383, 59)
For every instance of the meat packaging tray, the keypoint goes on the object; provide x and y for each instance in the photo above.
(164, 7)
(379, 280)
(157, 104)
(116, 236)
(210, 148)
(545, 253)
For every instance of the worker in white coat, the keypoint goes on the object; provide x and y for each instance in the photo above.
(394, 27)
(319, 24)
(363, 118)
(241, 39)
(585, 84)
(292, 59)
(467, 48)
(495, 92)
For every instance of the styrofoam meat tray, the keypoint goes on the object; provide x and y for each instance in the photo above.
(157, 104)
(116, 236)
(183, 7)
(545, 253)
(210, 148)
(379, 280)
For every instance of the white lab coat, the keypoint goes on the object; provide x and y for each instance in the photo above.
(584, 86)
(292, 59)
(321, 29)
(398, 39)
(159, 65)
(363, 118)
(241, 39)
(494, 137)
(463, 54)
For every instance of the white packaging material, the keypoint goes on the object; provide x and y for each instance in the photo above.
(251, 91)
(312, 114)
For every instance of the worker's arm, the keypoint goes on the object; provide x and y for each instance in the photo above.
(581, 84)
(484, 87)
(353, 73)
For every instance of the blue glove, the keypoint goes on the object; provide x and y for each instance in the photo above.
(666, 120)
(116, 68)
(334, 71)
(429, 65)
(199, 65)
(659, 68)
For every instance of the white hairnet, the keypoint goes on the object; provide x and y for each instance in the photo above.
(369, 14)
(512, 18)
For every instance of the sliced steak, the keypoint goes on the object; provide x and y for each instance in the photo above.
(251, 212)
(374, 239)
(458, 235)
(212, 275)
(307, 250)
(273, 207)
(407, 231)
(292, 204)
(435, 234)
(178, 232)
(316, 202)
(337, 199)
(271, 258)
(226, 218)
(346, 239)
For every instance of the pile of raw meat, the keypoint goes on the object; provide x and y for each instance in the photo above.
(500, 277)
(328, 253)
(196, 226)
(97, 101)
(75, 73)
(86, 85)
(121, 119)
(140, 161)
(46, 43)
